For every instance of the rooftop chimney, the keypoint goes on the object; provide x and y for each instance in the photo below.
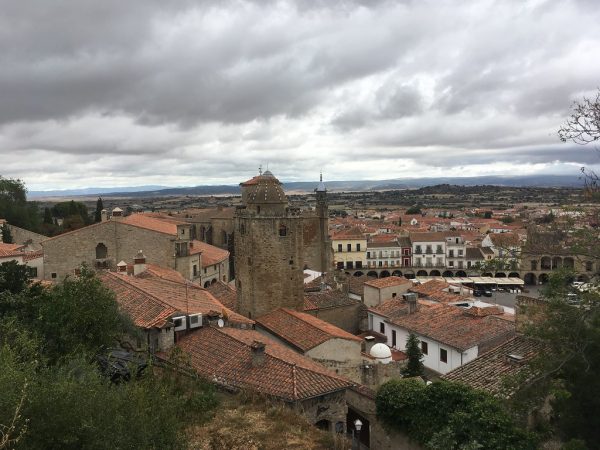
(139, 263)
(122, 267)
(411, 300)
(258, 353)
(369, 342)
(104, 215)
(117, 212)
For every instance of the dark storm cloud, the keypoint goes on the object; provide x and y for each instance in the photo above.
(212, 89)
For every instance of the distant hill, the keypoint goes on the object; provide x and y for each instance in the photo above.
(308, 186)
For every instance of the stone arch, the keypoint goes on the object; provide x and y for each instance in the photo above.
(530, 279)
(568, 263)
(546, 263)
(213, 281)
(435, 273)
(396, 273)
(447, 273)
(543, 278)
(500, 275)
(514, 275)
(323, 424)
(358, 273)
(422, 273)
(487, 274)
(207, 284)
(384, 274)
(409, 275)
(372, 273)
(461, 273)
(557, 262)
(101, 251)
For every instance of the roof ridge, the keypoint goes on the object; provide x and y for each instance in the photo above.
(293, 313)
(140, 289)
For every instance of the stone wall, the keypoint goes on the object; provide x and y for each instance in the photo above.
(269, 267)
(329, 407)
(346, 317)
(22, 236)
(65, 253)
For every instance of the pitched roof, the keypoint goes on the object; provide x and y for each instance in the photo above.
(224, 355)
(211, 255)
(224, 293)
(162, 272)
(447, 324)
(301, 330)
(29, 256)
(429, 287)
(430, 236)
(180, 296)
(473, 253)
(7, 250)
(161, 225)
(328, 298)
(505, 239)
(490, 370)
(381, 283)
(349, 234)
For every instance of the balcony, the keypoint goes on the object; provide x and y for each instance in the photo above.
(418, 251)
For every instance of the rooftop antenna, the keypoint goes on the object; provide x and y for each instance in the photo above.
(260, 169)
(321, 176)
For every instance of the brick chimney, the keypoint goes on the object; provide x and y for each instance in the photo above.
(139, 263)
(258, 353)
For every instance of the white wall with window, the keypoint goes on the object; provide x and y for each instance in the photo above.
(438, 356)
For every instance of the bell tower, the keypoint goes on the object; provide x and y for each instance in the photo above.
(323, 216)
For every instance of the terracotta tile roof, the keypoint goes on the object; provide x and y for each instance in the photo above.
(224, 355)
(431, 236)
(505, 239)
(352, 233)
(328, 298)
(7, 250)
(404, 241)
(181, 296)
(211, 255)
(301, 330)
(356, 285)
(473, 253)
(381, 283)
(447, 324)
(29, 256)
(162, 272)
(489, 371)
(225, 293)
(429, 287)
(161, 225)
(383, 244)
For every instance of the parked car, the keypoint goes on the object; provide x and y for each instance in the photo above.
(487, 293)
(476, 293)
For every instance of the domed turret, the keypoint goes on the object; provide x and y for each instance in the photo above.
(381, 353)
(264, 193)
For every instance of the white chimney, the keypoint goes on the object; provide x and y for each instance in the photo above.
(139, 263)
(122, 267)
(104, 215)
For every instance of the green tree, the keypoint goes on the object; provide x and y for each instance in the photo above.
(487, 215)
(6, 234)
(414, 366)
(416, 209)
(14, 277)
(98, 212)
(14, 206)
(48, 216)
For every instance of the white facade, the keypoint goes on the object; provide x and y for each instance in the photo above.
(434, 358)
(429, 254)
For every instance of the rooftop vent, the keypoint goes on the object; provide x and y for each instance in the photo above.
(515, 359)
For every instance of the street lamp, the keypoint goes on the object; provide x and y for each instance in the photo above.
(358, 425)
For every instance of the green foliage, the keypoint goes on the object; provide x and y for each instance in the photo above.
(416, 209)
(414, 366)
(14, 277)
(14, 206)
(6, 234)
(449, 415)
(74, 214)
(98, 212)
(507, 219)
(487, 215)
(48, 219)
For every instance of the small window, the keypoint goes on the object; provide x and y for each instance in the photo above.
(340, 248)
(424, 348)
(393, 338)
(33, 272)
(178, 322)
(382, 328)
(340, 265)
(589, 266)
(443, 355)
(349, 247)
(195, 268)
(394, 295)
(368, 255)
(282, 230)
(358, 247)
(349, 264)
(53, 275)
(358, 264)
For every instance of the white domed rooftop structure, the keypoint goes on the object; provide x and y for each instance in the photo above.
(381, 353)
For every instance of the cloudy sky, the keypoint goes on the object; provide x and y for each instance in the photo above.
(138, 92)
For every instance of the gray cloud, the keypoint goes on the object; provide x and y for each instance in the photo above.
(210, 90)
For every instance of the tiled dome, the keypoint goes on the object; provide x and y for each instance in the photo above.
(264, 189)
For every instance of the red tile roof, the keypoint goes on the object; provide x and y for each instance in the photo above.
(430, 287)
(224, 355)
(211, 255)
(447, 324)
(302, 330)
(381, 283)
(350, 234)
(161, 225)
(490, 370)
(162, 272)
(225, 293)
(180, 296)
(29, 256)
(7, 250)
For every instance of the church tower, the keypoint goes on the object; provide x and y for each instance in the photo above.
(323, 217)
(269, 249)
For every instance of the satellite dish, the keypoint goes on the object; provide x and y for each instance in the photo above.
(220, 323)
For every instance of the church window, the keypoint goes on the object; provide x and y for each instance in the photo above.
(282, 230)
(101, 251)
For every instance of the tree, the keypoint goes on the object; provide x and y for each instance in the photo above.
(6, 234)
(416, 209)
(414, 366)
(14, 277)
(48, 216)
(98, 212)
(14, 206)
(487, 215)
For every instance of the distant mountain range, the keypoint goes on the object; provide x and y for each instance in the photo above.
(308, 186)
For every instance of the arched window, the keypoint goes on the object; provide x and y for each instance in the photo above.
(282, 230)
(101, 251)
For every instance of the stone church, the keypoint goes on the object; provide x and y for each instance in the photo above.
(274, 243)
